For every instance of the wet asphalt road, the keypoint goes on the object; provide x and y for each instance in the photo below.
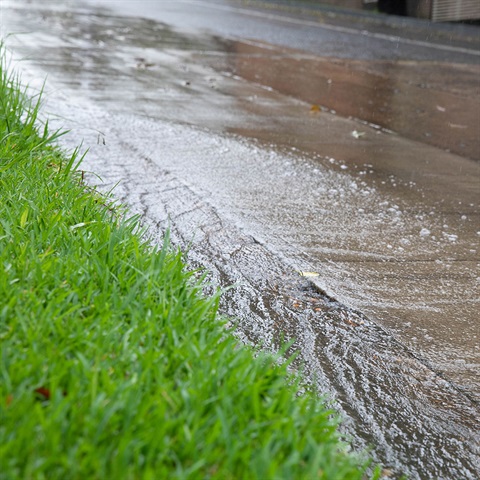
(264, 140)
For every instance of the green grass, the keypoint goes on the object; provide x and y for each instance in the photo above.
(113, 364)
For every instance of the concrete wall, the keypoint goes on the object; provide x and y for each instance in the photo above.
(419, 8)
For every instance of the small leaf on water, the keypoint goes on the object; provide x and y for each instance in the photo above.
(309, 274)
(351, 322)
(356, 134)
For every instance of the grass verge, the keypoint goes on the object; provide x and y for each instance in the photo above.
(113, 364)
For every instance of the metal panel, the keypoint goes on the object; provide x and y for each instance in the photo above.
(445, 10)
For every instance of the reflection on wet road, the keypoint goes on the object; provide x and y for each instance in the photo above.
(385, 93)
(235, 145)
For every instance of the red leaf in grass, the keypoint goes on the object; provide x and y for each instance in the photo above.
(43, 392)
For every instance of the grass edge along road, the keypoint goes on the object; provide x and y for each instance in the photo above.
(113, 363)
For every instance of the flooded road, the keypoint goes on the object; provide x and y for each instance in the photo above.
(268, 161)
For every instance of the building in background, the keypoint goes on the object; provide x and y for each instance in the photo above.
(435, 10)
